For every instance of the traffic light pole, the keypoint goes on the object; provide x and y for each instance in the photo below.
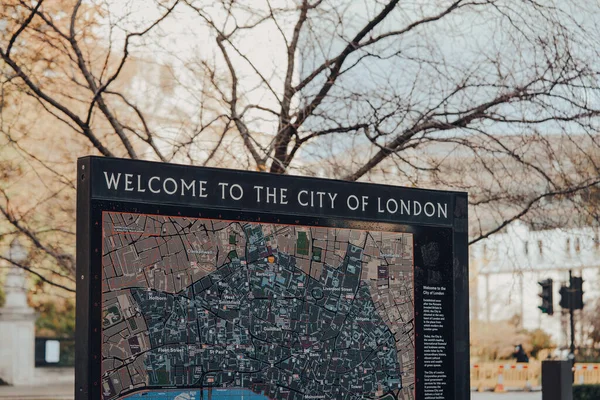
(571, 312)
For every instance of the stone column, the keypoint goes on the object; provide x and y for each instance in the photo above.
(17, 332)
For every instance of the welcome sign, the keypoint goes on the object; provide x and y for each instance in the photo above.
(211, 283)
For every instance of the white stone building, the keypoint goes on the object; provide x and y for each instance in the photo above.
(505, 270)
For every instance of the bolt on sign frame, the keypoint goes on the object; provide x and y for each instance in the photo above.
(210, 282)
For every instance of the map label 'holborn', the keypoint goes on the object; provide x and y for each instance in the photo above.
(201, 283)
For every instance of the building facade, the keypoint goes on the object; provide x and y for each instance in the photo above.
(506, 268)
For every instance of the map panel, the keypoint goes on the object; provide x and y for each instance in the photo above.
(216, 309)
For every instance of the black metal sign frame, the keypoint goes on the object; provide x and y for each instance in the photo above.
(436, 219)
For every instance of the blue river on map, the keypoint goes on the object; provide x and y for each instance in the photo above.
(217, 394)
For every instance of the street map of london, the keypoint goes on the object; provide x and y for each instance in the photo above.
(215, 309)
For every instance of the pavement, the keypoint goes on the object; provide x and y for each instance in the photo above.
(41, 392)
(507, 396)
(65, 392)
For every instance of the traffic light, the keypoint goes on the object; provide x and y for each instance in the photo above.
(577, 292)
(565, 297)
(572, 293)
(547, 306)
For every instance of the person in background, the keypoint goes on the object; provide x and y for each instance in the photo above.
(520, 354)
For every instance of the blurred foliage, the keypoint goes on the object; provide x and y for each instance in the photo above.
(586, 392)
(593, 317)
(540, 340)
(588, 355)
(497, 340)
(56, 318)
